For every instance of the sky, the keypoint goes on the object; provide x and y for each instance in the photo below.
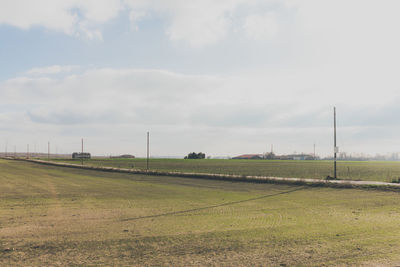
(224, 77)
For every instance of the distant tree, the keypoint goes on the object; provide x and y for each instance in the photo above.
(195, 155)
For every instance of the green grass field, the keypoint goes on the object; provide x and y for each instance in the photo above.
(62, 216)
(348, 170)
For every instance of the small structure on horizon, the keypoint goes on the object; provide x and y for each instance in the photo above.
(81, 155)
(272, 156)
(296, 157)
(249, 156)
(124, 156)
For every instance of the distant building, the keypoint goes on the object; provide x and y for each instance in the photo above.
(125, 156)
(78, 155)
(296, 157)
(269, 155)
(249, 156)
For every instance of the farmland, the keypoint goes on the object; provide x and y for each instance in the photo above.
(61, 216)
(347, 170)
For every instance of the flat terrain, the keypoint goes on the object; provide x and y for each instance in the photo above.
(62, 216)
(348, 170)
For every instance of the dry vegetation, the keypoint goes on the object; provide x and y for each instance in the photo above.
(61, 216)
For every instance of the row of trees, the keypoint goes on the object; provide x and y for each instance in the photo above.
(195, 155)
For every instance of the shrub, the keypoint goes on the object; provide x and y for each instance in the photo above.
(195, 155)
(396, 180)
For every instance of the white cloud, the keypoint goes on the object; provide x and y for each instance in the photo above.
(72, 17)
(198, 23)
(261, 27)
(225, 115)
(201, 23)
(55, 69)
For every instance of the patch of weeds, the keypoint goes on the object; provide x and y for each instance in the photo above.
(329, 178)
(396, 180)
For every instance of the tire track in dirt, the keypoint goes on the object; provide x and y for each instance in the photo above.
(211, 207)
(55, 210)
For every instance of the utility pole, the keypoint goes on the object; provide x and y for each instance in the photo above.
(82, 153)
(336, 150)
(15, 151)
(148, 145)
(314, 151)
(48, 150)
(27, 151)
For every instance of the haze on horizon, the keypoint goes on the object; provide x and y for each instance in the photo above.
(223, 77)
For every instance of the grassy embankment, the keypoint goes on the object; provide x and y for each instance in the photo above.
(347, 170)
(61, 216)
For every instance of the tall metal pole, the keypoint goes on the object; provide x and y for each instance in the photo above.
(82, 153)
(314, 151)
(148, 144)
(27, 151)
(48, 150)
(334, 141)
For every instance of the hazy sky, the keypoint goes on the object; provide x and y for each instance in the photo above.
(223, 77)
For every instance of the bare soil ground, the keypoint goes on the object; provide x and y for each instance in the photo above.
(60, 217)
